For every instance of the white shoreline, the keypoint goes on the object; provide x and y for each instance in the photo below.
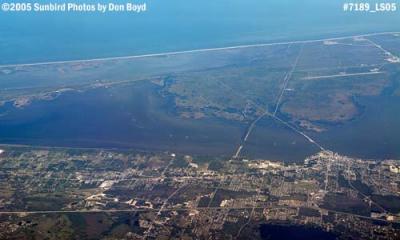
(188, 51)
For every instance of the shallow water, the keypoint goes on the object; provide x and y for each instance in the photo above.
(374, 134)
(124, 116)
(137, 116)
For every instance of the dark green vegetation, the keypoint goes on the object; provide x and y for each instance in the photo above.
(206, 102)
(76, 226)
(343, 203)
(309, 212)
(237, 91)
(310, 85)
(234, 84)
(327, 78)
(63, 193)
(389, 202)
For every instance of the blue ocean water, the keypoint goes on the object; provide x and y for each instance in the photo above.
(177, 25)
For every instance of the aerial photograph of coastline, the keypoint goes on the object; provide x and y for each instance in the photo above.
(188, 119)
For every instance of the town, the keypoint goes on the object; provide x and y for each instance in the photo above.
(139, 195)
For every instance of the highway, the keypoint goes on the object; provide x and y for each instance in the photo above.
(176, 209)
